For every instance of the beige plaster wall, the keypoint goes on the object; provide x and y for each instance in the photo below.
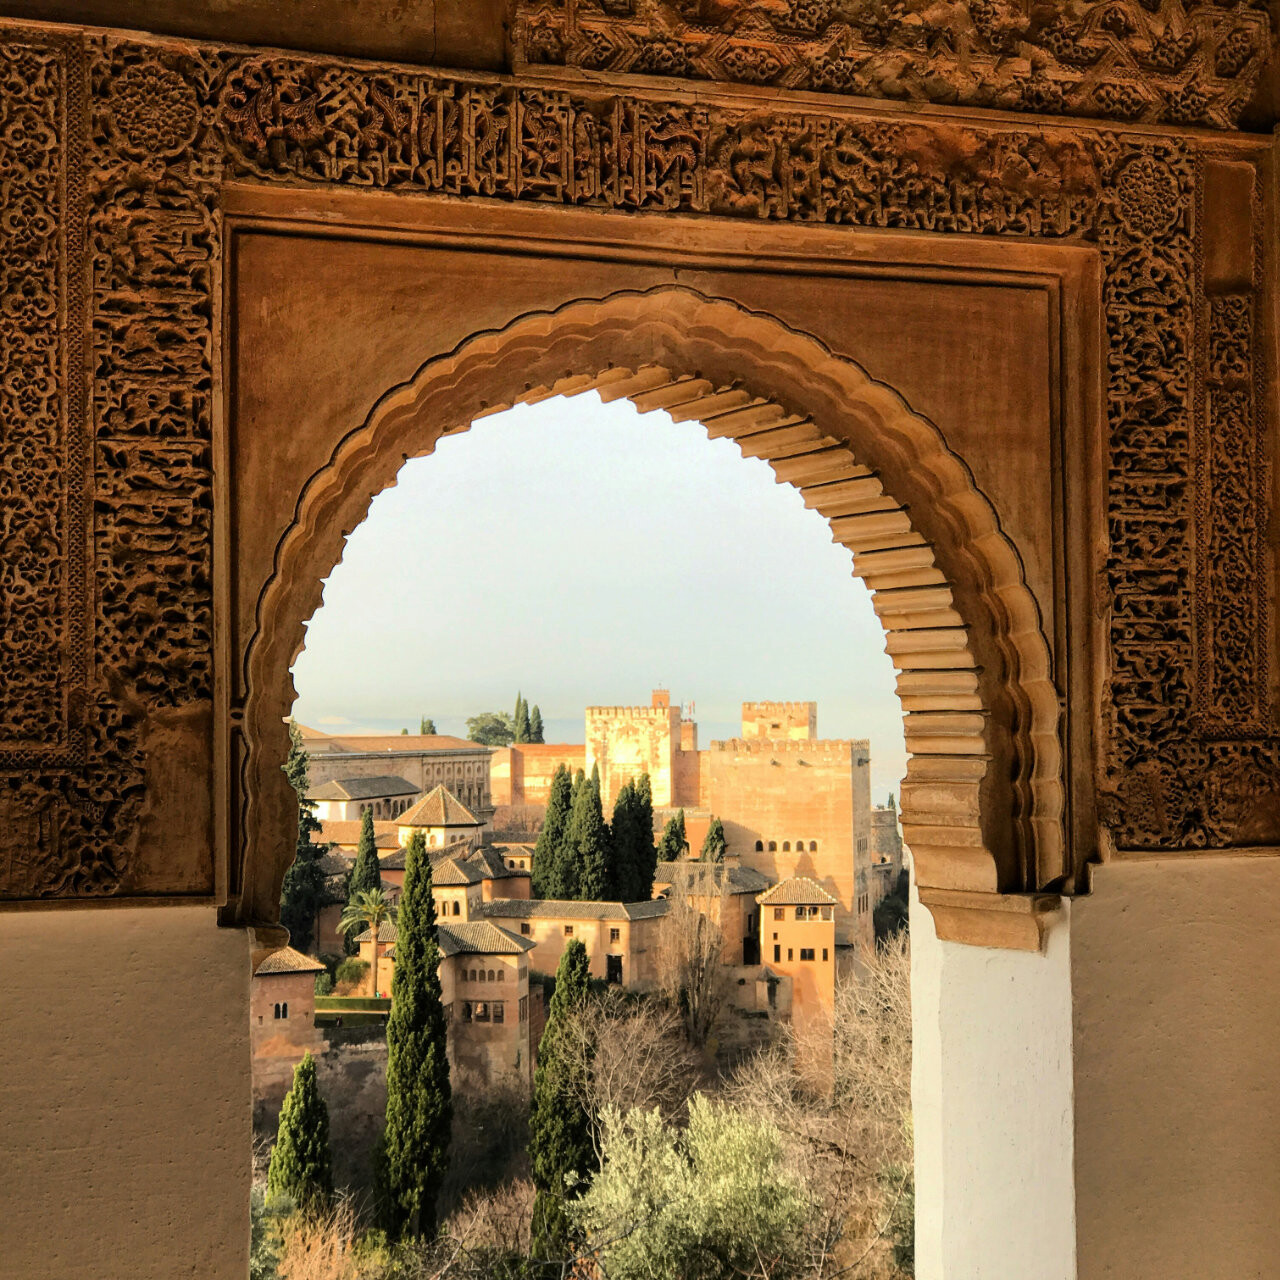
(125, 1093)
(1177, 1025)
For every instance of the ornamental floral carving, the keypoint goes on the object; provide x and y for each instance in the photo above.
(1179, 62)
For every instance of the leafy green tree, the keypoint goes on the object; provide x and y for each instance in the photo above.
(419, 1096)
(546, 881)
(300, 1167)
(674, 844)
(646, 856)
(304, 891)
(367, 910)
(588, 849)
(715, 844)
(560, 1149)
(535, 725)
(568, 870)
(492, 728)
(427, 726)
(715, 1201)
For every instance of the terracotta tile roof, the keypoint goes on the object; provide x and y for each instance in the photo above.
(453, 873)
(741, 879)
(526, 908)
(387, 743)
(490, 859)
(373, 788)
(798, 891)
(387, 932)
(438, 808)
(287, 960)
(480, 937)
(344, 832)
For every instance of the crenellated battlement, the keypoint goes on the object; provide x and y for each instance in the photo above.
(630, 713)
(833, 748)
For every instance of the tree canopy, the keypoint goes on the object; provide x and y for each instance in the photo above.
(427, 726)
(491, 728)
(535, 725)
(547, 881)
(588, 852)
(674, 844)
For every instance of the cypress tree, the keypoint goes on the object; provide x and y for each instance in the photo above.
(427, 726)
(520, 721)
(714, 845)
(535, 725)
(546, 880)
(595, 778)
(588, 849)
(300, 1168)
(303, 892)
(646, 855)
(366, 873)
(559, 1127)
(674, 844)
(626, 876)
(419, 1097)
(568, 869)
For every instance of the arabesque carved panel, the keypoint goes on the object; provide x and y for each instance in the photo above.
(1179, 62)
(169, 122)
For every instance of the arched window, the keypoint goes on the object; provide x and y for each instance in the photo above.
(284, 1009)
(277, 1012)
(502, 975)
(759, 846)
(786, 846)
(773, 846)
(491, 977)
(799, 846)
(813, 846)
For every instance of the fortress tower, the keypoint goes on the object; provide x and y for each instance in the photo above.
(796, 721)
(628, 741)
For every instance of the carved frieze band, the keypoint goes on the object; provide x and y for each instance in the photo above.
(169, 122)
(1180, 61)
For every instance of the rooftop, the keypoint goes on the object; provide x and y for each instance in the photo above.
(438, 808)
(555, 908)
(287, 960)
(387, 932)
(798, 891)
(347, 832)
(363, 788)
(480, 937)
(452, 873)
(318, 743)
(740, 879)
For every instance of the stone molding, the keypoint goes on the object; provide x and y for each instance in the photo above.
(945, 678)
(146, 132)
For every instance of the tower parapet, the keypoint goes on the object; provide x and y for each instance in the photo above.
(797, 721)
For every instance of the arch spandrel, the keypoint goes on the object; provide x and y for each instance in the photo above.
(982, 800)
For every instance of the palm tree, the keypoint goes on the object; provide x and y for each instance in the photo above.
(368, 910)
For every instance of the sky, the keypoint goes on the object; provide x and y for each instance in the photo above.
(584, 553)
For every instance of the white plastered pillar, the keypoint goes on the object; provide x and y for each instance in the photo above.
(992, 1089)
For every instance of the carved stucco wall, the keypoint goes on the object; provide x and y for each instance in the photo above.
(113, 153)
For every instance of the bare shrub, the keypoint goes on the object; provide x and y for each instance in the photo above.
(691, 970)
(849, 1126)
(630, 1053)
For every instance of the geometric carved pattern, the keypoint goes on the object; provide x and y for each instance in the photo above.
(1179, 62)
(167, 122)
